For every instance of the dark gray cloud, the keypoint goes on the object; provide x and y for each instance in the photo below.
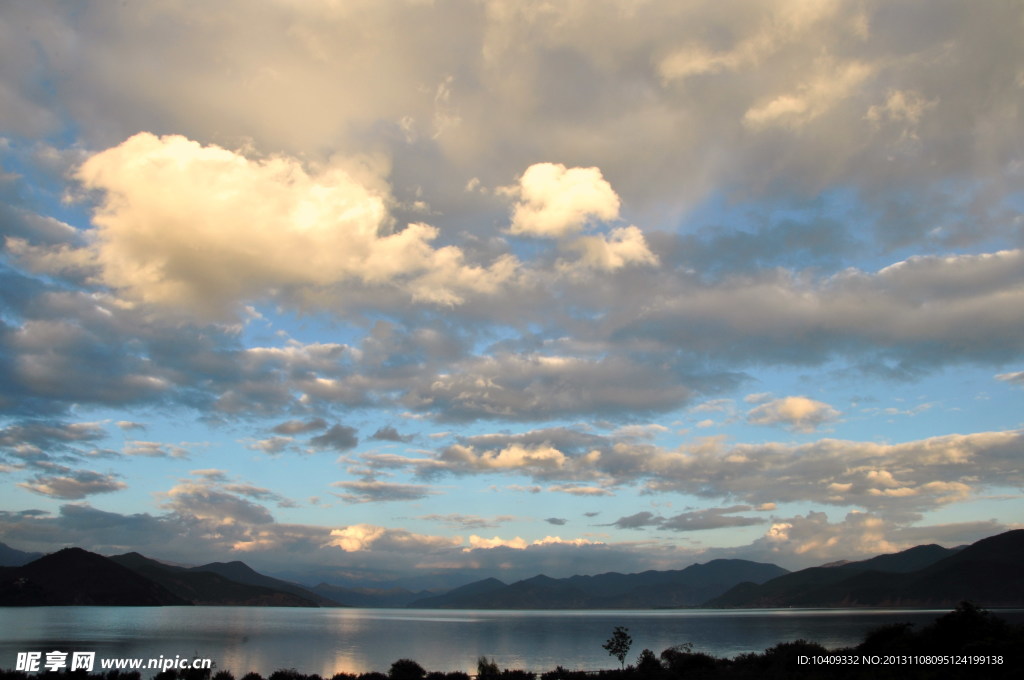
(259, 494)
(374, 491)
(640, 520)
(73, 484)
(694, 520)
(710, 518)
(388, 433)
(48, 434)
(557, 521)
(338, 437)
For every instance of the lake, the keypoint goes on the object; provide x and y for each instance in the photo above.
(328, 641)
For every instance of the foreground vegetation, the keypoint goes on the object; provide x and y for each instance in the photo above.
(966, 643)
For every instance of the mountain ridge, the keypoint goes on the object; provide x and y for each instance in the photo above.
(611, 590)
(989, 572)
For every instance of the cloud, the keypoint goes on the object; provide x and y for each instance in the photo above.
(273, 445)
(389, 434)
(49, 434)
(557, 521)
(73, 484)
(898, 478)
(479, 543)
(374, 491)
(555, 201)
(695, 520)
(362, 537)
(206, 501)
(710, 518)
(623, 246)
(1016, 378)
(258, 493)
(154, 450)
(469, 521)
(517, 543)
(338, 437)
(638, 521)
(796, 413)
(300, 426)
(826, 88)
(812, 539)
(580, 490)
(212, 246)
(533, 386)
(919, 313)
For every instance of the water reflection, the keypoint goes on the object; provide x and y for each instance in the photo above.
(328, 641)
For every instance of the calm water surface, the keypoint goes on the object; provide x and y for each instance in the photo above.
(328, 641)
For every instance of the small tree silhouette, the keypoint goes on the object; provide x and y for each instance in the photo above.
(487, 668)
(618, 644)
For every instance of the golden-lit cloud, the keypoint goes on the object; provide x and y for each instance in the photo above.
(555, 201)
(797, 413)
(202, 228)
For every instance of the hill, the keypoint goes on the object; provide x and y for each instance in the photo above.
(208, 588)
(989, 573)
(73, 576)
(10, 557)
(240, 572)
(649, 589)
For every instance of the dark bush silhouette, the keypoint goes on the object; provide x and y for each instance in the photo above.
(406, 669)
(487, 668)
(647, 664)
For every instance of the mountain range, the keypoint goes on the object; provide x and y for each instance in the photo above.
(676, 588)
(989, 573)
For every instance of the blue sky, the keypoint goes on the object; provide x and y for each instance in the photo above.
(442, 291)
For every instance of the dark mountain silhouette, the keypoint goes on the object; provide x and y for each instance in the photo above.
(989, 572)
(906, 561)
(209, 588)
(73, 576)
(240, 572)
(675, 588)
(462, 597)
(10, 557)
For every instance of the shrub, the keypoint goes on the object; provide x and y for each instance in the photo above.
(406, 669)
(647, 664)
(285, 674)
(487, 668)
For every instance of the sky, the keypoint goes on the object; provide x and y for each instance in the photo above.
(435, 291)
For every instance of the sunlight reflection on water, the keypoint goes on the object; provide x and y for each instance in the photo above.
(328, 641)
